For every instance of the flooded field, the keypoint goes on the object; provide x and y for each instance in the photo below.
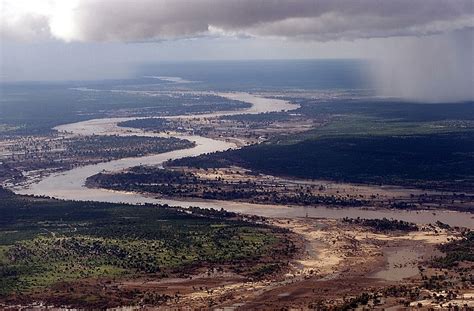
(70, 184)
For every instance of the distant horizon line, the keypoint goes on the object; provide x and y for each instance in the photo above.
(189, 61)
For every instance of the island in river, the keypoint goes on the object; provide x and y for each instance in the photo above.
(302, 236)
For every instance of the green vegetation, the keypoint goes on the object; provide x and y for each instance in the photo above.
(44, 242)
(456, 251)
(35, 108)
(59, 153)
(388, 110)
(112, 147)
(429, 161)
(108, 147)
(150, 124)
(361, 126)
(383, 225)
(8, 172)
(185, 184)
(259, 118)
(381, 142)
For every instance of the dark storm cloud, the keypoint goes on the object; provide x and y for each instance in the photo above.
(319, 20)
(425, 46)
(135, 20)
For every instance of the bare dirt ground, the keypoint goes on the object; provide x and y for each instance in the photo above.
(264, 189)
(337, 261)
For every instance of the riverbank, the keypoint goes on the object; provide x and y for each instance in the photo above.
(71, 184)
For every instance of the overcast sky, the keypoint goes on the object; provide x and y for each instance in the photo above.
(87, 39)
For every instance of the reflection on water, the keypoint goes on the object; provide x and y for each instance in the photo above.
(70, 184)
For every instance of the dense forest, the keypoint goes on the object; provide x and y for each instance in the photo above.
(430, 161)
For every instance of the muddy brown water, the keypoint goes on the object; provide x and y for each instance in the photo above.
(70, 184)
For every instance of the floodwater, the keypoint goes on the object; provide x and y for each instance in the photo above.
(401, 263)
(70, 184)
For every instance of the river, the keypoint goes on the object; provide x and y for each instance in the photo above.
(70, 184)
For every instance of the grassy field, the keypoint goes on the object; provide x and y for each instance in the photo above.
(46, 242)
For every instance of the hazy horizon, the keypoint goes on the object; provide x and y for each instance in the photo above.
(420, 50)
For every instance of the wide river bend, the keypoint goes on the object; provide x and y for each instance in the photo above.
(70, 184)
